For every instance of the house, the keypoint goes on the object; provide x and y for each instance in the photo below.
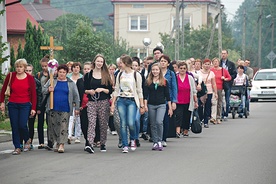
(135, 20)
(43, 12)
(17, 17)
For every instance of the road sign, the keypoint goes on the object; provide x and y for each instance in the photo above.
(271, 56)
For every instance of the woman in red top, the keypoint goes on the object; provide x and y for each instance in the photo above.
(221, 75)
(186, 99)
(22, 103)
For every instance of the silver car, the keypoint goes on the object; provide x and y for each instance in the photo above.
(263, 85)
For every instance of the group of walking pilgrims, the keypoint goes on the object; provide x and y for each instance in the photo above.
(131, 100)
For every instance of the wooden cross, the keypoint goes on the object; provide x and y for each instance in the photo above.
(51, 48)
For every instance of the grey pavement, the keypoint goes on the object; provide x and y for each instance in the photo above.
(240, 151)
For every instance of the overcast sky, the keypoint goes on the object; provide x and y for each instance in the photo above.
(231, 7)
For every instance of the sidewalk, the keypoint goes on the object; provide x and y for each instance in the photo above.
(6, 136)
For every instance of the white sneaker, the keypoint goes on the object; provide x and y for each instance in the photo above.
(77, 140)
(125, 149)
(113, 132)
(164, 143)
(133, 145)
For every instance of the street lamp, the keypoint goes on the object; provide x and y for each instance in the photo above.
(147, 42)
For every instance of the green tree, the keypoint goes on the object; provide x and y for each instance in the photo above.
(34, 38)
(12, 58)
(252, 9)
(83, 43)
(19, 51)
(64, 26)
(196, 43)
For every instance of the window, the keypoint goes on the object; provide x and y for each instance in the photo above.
(138, 23)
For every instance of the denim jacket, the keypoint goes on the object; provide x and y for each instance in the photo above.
(172, 83)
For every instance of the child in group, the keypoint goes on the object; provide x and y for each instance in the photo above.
(43, 77)
(156, 95)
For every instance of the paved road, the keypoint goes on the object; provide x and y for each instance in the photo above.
(240, 151)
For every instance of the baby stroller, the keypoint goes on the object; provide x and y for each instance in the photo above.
(237, 101)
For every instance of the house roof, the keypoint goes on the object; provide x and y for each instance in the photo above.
(17, 17)
(43, 12)
(162, 1)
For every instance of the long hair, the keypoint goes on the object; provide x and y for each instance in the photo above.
(104, 71)
(161, 77)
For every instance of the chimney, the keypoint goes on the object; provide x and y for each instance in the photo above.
(36, 1)
(46, 2)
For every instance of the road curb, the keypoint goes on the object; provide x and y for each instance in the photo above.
(6, 136)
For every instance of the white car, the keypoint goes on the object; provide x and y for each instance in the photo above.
(263, 85)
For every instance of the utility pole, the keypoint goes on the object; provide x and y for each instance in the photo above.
(260, 37)
(183, 26)
(212, 36)
(243, 35)
(177, 31)
(272, 38)
(219, 29)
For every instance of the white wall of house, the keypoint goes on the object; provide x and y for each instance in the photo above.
(148, 20)
(3, 32)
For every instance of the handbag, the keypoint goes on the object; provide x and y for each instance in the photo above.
(196, 126)
(8, 89)
(203, 90)
(203, 98)
(225, 84)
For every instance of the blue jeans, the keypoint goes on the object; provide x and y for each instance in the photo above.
(127, 111)
(227, 105)
(19, 114)
(208, 108)
(137, 125)
(156, 116)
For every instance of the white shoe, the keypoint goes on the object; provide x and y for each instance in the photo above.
(77, 140)
(164, 143)
(113, 132)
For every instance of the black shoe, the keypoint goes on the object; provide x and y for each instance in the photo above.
(41, 146)
(145, 137)
(49, 148)
(89, 149)
(240, 115)
(137, 142)
(120, 145)
(177, 135)
(103, 149)
(150, 139)
(69, 141)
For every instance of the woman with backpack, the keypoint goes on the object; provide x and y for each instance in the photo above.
(128, 91)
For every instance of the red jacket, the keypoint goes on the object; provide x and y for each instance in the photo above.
(32, 91)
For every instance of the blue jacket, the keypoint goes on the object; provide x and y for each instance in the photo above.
(172, 83)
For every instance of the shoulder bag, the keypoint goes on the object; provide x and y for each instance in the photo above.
(8, 89)
(225, 83)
